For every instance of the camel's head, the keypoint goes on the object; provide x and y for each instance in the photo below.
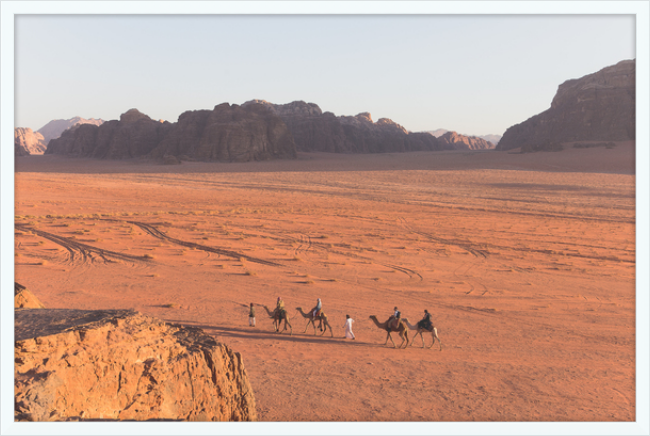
(373, 317)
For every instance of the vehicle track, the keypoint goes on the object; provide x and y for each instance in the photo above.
(153, 231)
(85, 251)
(460, 244)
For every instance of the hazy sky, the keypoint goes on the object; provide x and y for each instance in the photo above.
(476, 74)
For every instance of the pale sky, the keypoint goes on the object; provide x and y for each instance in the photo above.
(475, 74)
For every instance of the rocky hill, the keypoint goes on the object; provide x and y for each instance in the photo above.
(80, 365)
(28, 142)
(227, 133)
(54, 128)
(314, 130)
(596, 107)
(462, 142)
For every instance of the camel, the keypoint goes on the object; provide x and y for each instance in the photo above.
(420, 331)
(278, 318)
(402, 329)
(312, 320)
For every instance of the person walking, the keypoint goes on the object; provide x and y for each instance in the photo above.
(348, 327)
(251, 316)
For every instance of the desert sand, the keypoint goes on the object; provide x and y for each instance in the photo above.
(526, 261)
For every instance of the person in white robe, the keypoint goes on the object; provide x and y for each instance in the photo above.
(348, 327)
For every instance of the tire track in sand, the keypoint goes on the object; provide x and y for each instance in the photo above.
(85, 251)
(153, 231)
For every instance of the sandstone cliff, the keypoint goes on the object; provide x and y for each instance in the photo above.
(27, 142)
(314, 130)
(596, 107)
(462, 142)
(230, 133)
(55, 128)
(227, 133)
(134, 135)
(121, 365)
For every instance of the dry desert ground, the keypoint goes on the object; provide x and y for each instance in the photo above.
(526, 261)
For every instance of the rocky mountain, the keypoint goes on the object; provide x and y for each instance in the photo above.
(438, 132)
(227, 133)
(315, 130)
(462, 142)
(54, 128)
(114, 365)
(494, 139)
(596, 107)
(27, 142)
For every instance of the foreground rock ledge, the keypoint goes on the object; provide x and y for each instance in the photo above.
(122, 365)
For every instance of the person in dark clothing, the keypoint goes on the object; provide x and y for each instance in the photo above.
(425, 323)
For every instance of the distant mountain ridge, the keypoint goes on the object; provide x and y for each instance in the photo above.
(595, 107)
(54, 128)
(462, 142)
(494, 139)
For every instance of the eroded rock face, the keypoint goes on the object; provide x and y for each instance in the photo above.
(227, 133)
(28, 142)
(24, 299)
(314, 130)
(122, 365)
(134, 135)
(462, 142)
(596, 107)
(230, 133)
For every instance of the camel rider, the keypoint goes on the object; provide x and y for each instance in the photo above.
(316, 311)
(395, 319)
(279, 306)
(425, 323)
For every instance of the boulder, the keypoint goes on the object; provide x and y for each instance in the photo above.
(596, 107)
(74, 365)
(23, 298)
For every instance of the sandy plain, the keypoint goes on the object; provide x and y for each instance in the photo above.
(526, 261)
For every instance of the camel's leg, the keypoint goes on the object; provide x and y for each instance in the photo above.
(435, 336)
(391, 339)
(307, 326)
(330, 327)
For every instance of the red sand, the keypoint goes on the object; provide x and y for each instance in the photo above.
(527, 263)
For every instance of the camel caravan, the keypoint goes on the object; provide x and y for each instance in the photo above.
(394, 324)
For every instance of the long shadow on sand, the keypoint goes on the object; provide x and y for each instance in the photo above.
(256, 333)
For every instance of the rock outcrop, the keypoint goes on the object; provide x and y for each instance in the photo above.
(231, 133)
(24, 299)
(314, 130)
(121, 365)
(462, 142)
(55, 128)
(596, 107)
(134, 135)
(227, 133)
(28, 142)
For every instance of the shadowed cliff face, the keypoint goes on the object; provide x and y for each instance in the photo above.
(596, 107)
(227, 133)
(55, 128)
(122, 365)
(314, 130)
(27, 142)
